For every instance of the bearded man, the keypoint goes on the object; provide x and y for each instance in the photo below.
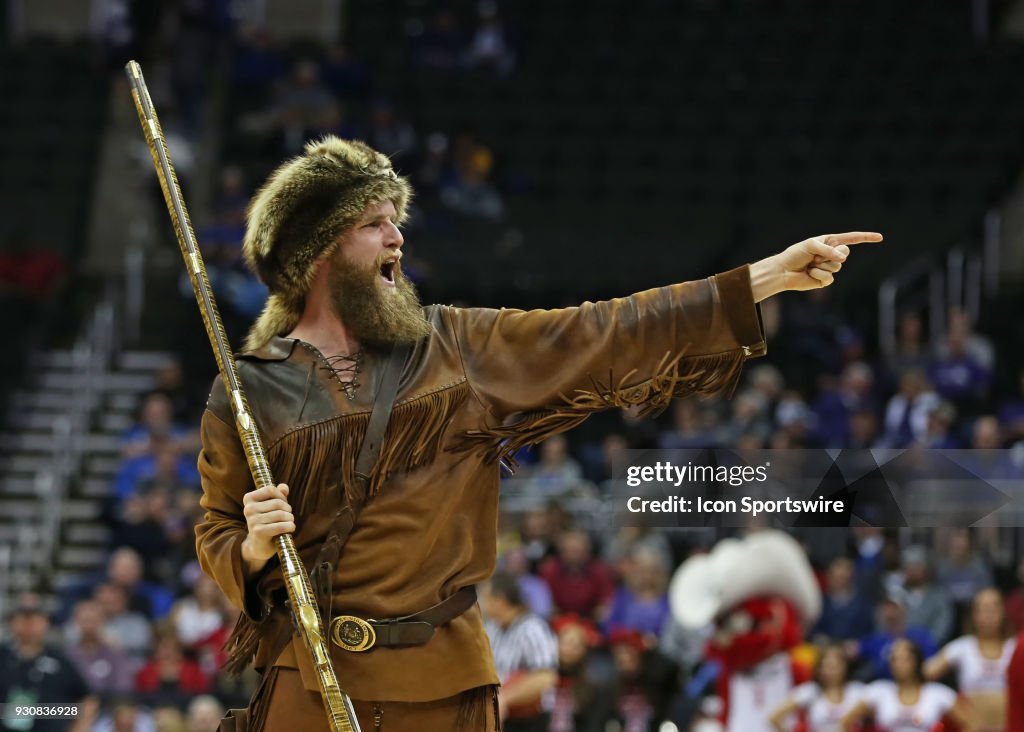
(476, 385)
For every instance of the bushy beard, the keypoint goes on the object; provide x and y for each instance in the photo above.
(376, 315)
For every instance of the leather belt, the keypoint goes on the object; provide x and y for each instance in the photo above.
(358, 634)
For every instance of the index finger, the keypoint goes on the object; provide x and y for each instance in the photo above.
(853, 237)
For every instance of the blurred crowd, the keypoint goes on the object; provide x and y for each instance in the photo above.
(145, 636)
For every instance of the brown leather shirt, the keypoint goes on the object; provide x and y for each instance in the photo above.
(484, 383)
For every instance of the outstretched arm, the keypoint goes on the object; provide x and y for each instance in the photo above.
(639, 350)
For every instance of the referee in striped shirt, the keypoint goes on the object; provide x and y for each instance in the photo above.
(525, 655)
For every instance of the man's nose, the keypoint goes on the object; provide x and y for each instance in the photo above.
(395, 240)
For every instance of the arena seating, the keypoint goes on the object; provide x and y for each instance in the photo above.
(49, 125)
(736, 125)
(49, 122)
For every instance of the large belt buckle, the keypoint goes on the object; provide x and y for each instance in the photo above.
(352, 633)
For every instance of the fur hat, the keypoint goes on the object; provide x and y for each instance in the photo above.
(299, 214)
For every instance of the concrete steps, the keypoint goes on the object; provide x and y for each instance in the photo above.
(31, 447)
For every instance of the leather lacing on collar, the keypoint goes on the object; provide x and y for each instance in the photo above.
(346, 369)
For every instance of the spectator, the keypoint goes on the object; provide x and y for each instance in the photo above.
(129, 630)
(767, 382)
(863, 430)
(610, 454)
(988, 460)
(200, 621)
(169, 719)
(471, 192)
(846, 613)
(126, 715)
(986, 434)
(305, 99)
(489, 48)
(928, 606)
(748, 418)
(938, 434)
(579, 583)
(868, 544)
(980, 659)
(156, 426)
(641, 604)
(962, 573)
(834, 407)
(164, 466)
(125, 569)
(435, 169)
(198, 616)
(535, 592)
(892, 626)
(910, 352)
(107, 670)
(958, 376)
(170, 381)
(33, 672)
(906, 414)
(538, 536)
(978, 346)
(796, 421)
(629, 540)
(134, 526)
(556, 473)
(170, 677)
(644, 682)
(580, 703)
(525, 656)
(688, 430)
(204, 714)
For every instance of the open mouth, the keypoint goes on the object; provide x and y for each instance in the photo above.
(387, 271)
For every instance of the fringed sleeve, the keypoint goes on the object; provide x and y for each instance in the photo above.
(541, 372)
(226, 478)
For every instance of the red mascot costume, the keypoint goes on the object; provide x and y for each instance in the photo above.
(757, 596)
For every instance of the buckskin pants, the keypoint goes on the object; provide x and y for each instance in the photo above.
(286, 705)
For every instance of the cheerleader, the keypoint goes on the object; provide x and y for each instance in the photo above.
(908, 703)
(823, 703)
(980, 660)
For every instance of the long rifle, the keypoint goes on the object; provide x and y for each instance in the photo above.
(340, 712)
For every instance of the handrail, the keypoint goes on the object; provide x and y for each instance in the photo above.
(91, 357)
(958, 282)
(990, 250)
(887, 294)
(5, 577)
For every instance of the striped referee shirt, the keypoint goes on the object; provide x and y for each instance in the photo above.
(527, 644)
